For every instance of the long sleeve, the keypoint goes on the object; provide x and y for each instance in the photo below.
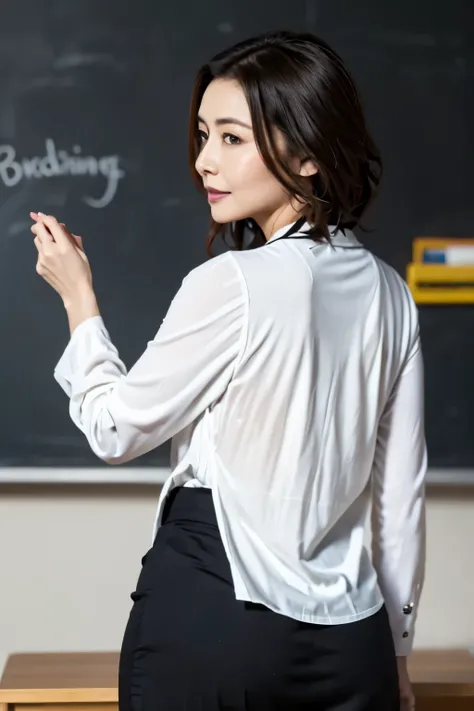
(398, 505)
(183, 371)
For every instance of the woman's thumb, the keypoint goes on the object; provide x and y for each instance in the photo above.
(78, 241)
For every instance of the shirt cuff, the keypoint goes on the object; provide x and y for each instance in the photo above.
(404, 644)
(67, 364)
(403, 631)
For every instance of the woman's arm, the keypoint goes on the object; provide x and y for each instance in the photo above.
(398, 507)
(183, 371)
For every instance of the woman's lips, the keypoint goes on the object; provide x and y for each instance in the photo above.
(215, 196)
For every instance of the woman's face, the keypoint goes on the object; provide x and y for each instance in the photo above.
(229, 161)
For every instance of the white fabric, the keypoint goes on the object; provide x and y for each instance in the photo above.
(290, 378)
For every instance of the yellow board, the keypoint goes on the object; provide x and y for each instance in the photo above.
(439, 283)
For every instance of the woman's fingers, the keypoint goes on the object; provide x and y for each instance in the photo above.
(60, 234)
(48, 229)
(42, 232)
(58, 230)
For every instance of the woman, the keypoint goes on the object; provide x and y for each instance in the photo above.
(289, 376)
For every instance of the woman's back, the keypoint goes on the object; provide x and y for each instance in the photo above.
(320, 335)
(328, 330)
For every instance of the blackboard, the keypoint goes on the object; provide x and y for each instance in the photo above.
(102, 87)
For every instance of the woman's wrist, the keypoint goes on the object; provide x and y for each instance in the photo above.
(81, 306)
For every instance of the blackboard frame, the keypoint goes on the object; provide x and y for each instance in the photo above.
(413, 63)
(139, 476)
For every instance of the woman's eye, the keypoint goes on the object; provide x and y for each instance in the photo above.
(231, 140)
(201, 136)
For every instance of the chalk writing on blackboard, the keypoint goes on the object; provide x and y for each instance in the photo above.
(59, 163)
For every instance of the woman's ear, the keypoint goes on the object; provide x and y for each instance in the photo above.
(308, 168)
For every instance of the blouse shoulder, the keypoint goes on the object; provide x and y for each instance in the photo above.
(218, 276)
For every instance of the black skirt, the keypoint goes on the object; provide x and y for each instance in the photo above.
(190, 645)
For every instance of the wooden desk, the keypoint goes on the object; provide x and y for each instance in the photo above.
(82, 681)
(87, 681)
(443, 680)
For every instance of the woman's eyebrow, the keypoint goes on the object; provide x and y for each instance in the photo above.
(227, 120)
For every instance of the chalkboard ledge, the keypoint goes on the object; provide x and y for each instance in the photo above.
(158, 475)
(83, 475)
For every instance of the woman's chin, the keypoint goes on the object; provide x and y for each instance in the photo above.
(225, 213)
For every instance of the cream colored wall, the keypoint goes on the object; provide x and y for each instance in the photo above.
(70, 555)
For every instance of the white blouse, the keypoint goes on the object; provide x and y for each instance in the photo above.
(290, 379)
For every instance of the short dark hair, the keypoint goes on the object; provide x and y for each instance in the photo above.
(296, 83)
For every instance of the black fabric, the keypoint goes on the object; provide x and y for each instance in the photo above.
(292, 232)
(191, 646)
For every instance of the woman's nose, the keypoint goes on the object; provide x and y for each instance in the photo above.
(206, 162)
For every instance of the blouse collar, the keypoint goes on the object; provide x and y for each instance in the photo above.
(338, 238)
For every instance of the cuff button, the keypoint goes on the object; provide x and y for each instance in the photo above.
(408, 609)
